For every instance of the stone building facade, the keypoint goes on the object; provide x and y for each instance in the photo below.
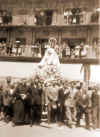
(23, 25)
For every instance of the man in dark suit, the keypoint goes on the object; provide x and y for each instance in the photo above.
(36, 104)
(19, 110)
(61, 99)
(82, 102)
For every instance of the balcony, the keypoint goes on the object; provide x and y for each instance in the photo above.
(63, 60)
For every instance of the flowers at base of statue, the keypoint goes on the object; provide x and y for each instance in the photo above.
(47, 71)
(51, 69)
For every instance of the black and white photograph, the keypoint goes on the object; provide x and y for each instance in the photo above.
(49, 68)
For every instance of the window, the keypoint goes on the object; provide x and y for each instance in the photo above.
(44, 17)
(48, 14)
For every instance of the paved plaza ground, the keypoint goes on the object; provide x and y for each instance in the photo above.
(45, 130)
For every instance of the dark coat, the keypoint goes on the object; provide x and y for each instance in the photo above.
(36, 96)
(95, 99)
(1, 101)
(28, 105)
(18, 109)
(80, 101)
(61, 96)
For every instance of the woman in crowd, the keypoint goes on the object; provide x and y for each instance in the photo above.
(60, 100)
(28, 110)
(18, 110)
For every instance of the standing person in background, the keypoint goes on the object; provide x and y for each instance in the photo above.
(10, 48)
(1, 103)
(81, 49)
(61, 99)
(95, 49)
(6, 105)
(0, 48)
(68, 106)
(95, 100)
(82, 102)
(90, 92)
(38, 103)
(28, 102)
(18, 109)
(98, 49)
(3, 48)
(52, 95)
(7, 48)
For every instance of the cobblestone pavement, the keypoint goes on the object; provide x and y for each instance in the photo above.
(45, 130)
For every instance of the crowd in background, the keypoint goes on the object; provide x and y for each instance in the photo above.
(47, 17)
(5, 17)
(68, 49)
(63, 102)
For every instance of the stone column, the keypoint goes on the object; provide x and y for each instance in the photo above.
(87, 75)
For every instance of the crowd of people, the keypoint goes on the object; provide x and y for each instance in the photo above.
(5, 17)
(63, 102)
(66, 49)
(47, 94)
(47, 17)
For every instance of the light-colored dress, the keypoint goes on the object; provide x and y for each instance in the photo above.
(49, 66)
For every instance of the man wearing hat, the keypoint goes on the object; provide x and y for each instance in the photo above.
(82, 104)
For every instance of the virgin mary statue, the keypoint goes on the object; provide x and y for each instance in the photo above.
(49, 67)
